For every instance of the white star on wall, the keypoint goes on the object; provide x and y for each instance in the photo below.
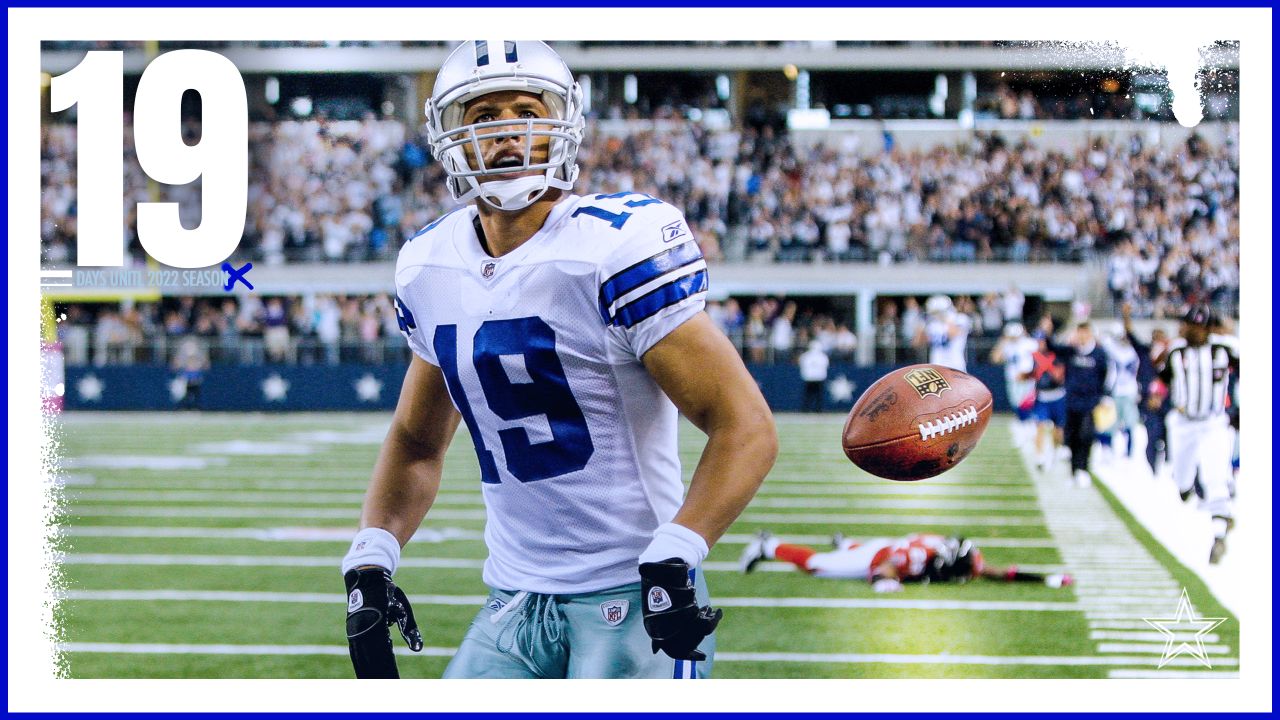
(1186, 621)
(840, 389)
(369, 388)
(274, 388)
(90, 388)
(178, 388)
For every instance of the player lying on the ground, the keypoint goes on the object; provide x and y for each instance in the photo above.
(889, 562)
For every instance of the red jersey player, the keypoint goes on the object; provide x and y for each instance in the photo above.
(889, 562)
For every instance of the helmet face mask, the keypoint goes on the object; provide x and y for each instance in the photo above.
(526, 67)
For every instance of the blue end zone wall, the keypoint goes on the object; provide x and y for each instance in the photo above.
(330, 387)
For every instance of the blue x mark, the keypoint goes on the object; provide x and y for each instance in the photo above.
(234, 275)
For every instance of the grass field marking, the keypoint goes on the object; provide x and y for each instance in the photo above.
(1131, 674)
(452, 514)
(290, 534)
(176, 649)
(1139, 636)
(825, 541)
(925, 503)
(254, 560)
(351, 514)
(257, 596)
(1155, 648)
(832, 519)
(354, 499)
(333, 561)
(749, 602)
(962, 481)
(844, 658)
(1119, 625)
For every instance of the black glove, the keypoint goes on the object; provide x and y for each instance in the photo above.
(671, 613)
(373, 604)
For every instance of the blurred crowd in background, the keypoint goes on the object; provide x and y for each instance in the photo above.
(1165, 222)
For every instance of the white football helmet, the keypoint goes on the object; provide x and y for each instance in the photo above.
(479, 67)
(938, 305)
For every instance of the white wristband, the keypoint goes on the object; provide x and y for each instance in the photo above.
(672, 540)
(373, 546)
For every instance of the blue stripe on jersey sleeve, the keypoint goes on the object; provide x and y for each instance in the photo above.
(646, 270)
(651, 303)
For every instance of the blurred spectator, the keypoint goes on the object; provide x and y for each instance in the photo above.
(813, 371)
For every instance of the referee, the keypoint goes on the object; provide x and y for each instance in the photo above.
(1198, 370)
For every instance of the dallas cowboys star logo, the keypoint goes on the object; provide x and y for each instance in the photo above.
(841, 389)
(275, 388)
(368, 388)
(90, 388)
(1184, 621)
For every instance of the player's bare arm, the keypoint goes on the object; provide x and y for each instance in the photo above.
(406, 475)
(698, 368)
(405, 480)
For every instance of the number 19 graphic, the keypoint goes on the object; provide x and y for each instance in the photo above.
(221, 157)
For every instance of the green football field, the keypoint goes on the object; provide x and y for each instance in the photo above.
(207, 546)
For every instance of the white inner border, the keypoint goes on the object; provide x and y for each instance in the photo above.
(31, 687)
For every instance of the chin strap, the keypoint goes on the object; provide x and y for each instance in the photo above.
(516, 194)
(520, 193)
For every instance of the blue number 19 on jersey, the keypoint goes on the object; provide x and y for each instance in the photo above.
(546, 392)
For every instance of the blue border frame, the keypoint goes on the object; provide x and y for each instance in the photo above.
(1130, 4)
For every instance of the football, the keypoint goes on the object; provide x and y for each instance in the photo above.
(916, 422)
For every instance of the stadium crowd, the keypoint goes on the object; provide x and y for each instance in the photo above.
(1167, 223)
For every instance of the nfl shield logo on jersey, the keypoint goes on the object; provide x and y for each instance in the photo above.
(488, 269)
(614, 611)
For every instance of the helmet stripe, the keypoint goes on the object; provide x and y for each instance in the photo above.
(482, 52)
(510, 49)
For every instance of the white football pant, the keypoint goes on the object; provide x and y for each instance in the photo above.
(1206, 445)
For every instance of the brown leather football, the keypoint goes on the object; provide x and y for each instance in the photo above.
(916, 422)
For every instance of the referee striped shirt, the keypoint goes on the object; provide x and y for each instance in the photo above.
(1199, 376)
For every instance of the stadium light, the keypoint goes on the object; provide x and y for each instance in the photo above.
(630, 89)
(722, 87)
(271, 90)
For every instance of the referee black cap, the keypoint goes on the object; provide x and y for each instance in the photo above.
(1199, 315)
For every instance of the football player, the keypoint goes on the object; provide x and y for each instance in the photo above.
(887, 563)
(1016, 351)
(945, 331)
(565, 331)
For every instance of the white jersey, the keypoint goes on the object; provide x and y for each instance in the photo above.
(1122, 370)
(541, 350)
(1018, 361)
(944, 349)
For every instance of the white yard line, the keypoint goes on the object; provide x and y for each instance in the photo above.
(332, 561)
(749, 602)
(351, 514)
(288, 534)
(353, 499)
(833, 519)
(1182, 528)
(1155, 648)
(774, 657)
(1125, 673)
(1120, 581)
(1152, 636)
